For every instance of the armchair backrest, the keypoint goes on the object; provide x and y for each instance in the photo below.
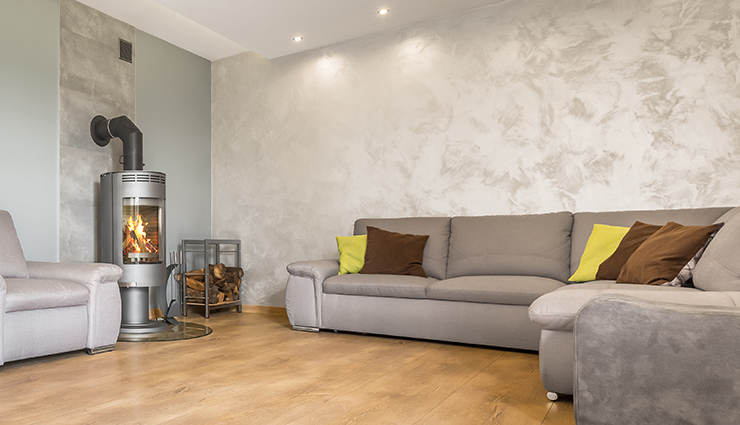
(12, 260)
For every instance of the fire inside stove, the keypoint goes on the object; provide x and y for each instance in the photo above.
(141, 228)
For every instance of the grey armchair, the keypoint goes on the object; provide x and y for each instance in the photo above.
(646, 362)
(49, 308)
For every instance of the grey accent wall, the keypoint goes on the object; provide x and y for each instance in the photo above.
(522, 107)
(173, 110)
(93, 81)
(29, 123)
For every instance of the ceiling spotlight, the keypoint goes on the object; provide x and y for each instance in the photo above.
(383, 11)
(298, 38)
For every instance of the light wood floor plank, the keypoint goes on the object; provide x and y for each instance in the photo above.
(254, 369)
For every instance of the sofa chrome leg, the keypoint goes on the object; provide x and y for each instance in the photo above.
(305, 328)
(102, 349)
(552, 396)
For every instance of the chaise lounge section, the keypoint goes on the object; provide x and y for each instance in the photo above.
(555, 313)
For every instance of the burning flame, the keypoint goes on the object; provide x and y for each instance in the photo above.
(135, 233)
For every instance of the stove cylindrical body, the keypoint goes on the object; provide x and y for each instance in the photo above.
(132, 229)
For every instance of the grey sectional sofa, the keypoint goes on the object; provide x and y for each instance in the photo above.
(49, 308)
(484, 273)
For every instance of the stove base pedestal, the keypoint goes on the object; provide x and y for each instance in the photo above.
(135, 312)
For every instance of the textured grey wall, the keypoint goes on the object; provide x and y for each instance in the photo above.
(94, 81)
(173, 109)
(29, 123)
(523, 107)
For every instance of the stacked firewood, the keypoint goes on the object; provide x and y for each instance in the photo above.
(224, 283)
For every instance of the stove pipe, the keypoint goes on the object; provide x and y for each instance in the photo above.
(102, 130)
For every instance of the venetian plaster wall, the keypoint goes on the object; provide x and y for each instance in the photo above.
(526, 106)
(93, 81)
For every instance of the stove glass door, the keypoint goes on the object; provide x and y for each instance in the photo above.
(142, 225)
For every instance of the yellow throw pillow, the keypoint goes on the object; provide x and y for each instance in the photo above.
(602, 243)
(351, 253)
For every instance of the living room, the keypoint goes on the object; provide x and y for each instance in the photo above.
(513, 107)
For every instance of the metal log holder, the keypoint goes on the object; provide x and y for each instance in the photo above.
(211, 251)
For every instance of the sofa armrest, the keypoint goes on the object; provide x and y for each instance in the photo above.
(304, 290)
(104, 304)
(318, 270)
(87, 274)
(669, 363)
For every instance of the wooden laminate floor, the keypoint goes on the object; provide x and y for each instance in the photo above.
(254, 369)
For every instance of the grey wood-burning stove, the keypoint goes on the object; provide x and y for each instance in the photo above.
(132, 224)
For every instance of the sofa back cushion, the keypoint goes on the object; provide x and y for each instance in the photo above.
(436, 249)
(524, 245)
(718, 268)
(583, 223)
(12, 260)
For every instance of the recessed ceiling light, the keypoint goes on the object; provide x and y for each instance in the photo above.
(383, 11)
(298, 38)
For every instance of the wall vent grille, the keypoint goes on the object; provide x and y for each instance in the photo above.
(126, 49)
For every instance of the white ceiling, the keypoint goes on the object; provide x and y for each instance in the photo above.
(215, 29)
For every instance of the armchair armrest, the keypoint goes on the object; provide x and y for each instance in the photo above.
(304, 290)
(88, 274)
(104, 304)
(645, 362)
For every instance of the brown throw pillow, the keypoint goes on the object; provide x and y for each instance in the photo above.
(394, 253)
(637, 234)
(659, 259)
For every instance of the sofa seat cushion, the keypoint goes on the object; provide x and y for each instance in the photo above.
(35, 294)
(512, 290)
(378, 285)
(557, 310)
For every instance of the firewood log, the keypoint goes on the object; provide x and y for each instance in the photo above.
(193, 293)
(218, 270)
(212, 296)
(220, 283)
(195, 284)
(197, 273)
(236, 278)
(226, 286)
(221, 296)
(237, 270)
